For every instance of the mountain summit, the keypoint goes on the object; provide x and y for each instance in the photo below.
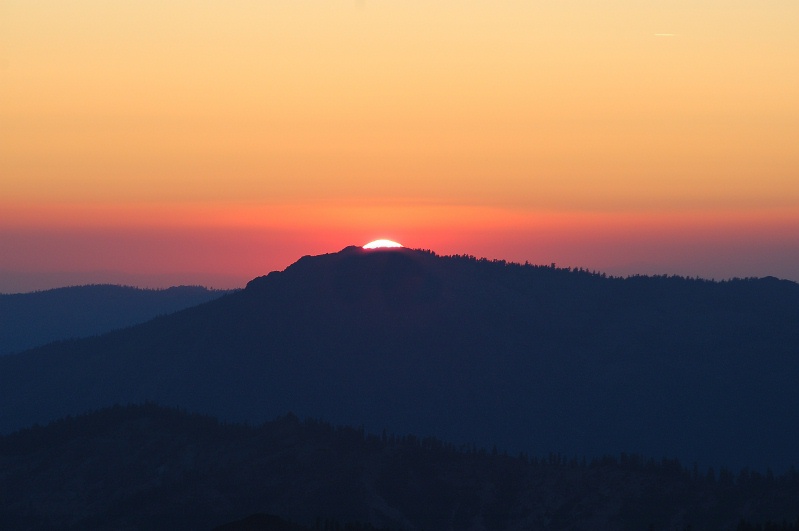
(530, 358)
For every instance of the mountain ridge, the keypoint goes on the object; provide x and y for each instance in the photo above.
(530, 358)
(149, 467)
(28, 320)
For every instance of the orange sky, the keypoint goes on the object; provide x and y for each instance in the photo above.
(221, 140)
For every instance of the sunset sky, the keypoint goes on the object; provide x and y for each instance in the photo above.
(197, 142)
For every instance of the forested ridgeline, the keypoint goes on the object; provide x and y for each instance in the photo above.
(150, 467)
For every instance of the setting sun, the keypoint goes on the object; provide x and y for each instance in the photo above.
(381, 244)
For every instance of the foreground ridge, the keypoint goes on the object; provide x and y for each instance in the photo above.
(159, 468)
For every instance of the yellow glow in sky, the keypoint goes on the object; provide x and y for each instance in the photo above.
(567, 104)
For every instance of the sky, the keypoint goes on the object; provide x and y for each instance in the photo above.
(157, 143)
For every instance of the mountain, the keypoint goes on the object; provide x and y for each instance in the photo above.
(28, 320)
(529, 358)
(147, 467)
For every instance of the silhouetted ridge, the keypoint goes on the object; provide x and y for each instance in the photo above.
(357, 274)
(146, 467)
(28, 320)
(531, 358)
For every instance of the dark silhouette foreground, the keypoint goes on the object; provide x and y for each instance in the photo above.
(146, 467)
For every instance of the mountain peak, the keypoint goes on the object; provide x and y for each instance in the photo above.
(380, 278)
(353, 258)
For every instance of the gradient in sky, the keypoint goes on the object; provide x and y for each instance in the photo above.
(158, 143)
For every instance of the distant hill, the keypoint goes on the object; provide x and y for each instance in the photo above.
(530, 358)
(29, 320)
(147, 467)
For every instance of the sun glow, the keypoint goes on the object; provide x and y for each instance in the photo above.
(381, 244)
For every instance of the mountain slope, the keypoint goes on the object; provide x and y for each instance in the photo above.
(28, 320)
(529, 358)
(147, 467)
